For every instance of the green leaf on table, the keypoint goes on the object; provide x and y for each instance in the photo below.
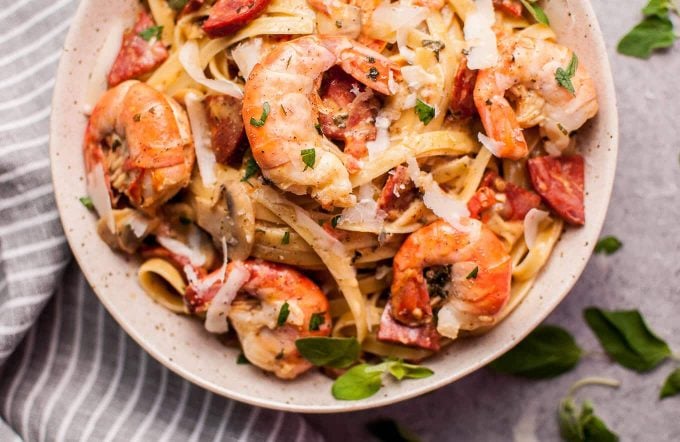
(652, 33)
(87, 202)
(387, 430)
(401, 370)
(624, 335)
(251, 169)
(536, 12)
(671, 386)
(547, 352)
(583, 426)
(658, 8)
(608, 245)
(329, 352)
(359, 382)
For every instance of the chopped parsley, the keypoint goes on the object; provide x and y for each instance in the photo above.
(334, 221)
(608, 245)
(316, 321)
(424, 111)
(241, 359)
(308, 157)
(286, 238)
(87, 202)
(317, 126)
(152, 32)
(283, 314)
(251, 169)
(473, 273)
(263, 117)
(373, 74)
(434, 45)
(564, 76)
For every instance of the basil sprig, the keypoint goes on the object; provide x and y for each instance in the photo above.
(364, 380)
(608, 245)
(583, 426)
(655, 31)
(329, 352)
(547, 352)
(536, 11)
(671, 386)
(624, 335)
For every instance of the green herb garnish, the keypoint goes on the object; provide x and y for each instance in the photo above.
(241, 359)
(373, 74)
(329, 352)
(655, 31)
(263, 117)
(608, 245)
(283, 314)
(424, 111)
(87, 202)
(152, 32)
(334, 221)
(625, 337)
(286, 238)
(316, 321)
(564, 76)
(308, 157)
(473, 273)
(364, 380)
(547, 352)
(583, 426)
(536, 12)
(671, 386)
(251, 169)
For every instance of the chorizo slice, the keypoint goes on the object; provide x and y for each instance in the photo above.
(462, 100)
(397, 193)
(424, 336)
(518, 201)
(140, 53)
(560, 182)
(226, 125)
(227, 16)
(512, 7)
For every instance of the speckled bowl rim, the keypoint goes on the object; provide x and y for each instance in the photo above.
(499, 340)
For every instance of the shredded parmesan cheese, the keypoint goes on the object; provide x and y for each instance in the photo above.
(179, 248)
(382, 138)
(216, 316)
(480, 37)
(246, 55)
(205, 157)
(492, 145)
(97, 83)
(416, 77)
(365, 213)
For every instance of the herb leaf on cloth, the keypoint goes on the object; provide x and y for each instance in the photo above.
(608, 245)
(671, 386)
(547, 352)
(624, 335)
(655, 31)
(583, 426)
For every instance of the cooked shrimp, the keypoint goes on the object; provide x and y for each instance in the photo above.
(255, 314)
(527, 70)
(285, 142)
(142, 139)
(469, 270)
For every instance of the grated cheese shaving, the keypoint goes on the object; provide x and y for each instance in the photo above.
(205, 157)
(480, 37)
(216, 316)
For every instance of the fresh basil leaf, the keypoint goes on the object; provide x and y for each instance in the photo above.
(658, 8)
(424, 111)
(316, 321)
(283, 314)
(564, 76)
(608, 245)
(584, 426)
(152, 32)
(329, 352)
(241, 359)
(359, 382)
(409, 371)
(177, 5)
(536, 11)
(263, 116)
(651, 33)
(626, 338)
(397, 370)
(308, 157)
(387, 430)
(251, 169)
(671, 386)
(87, 202)
(547, 352)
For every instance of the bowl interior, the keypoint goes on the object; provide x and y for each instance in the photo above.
(183, 345)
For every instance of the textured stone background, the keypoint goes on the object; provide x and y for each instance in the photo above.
(645, 274)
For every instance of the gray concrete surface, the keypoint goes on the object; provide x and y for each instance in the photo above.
(644, 213)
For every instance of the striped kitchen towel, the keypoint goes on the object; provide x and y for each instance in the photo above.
(67, 371)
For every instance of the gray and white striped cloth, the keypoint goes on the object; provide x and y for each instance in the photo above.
(67, 370)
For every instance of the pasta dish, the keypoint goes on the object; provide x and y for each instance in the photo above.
(392, 174)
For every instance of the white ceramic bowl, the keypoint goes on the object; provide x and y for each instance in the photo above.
(182, 344)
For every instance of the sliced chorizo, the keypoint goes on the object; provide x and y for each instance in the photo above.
(462, 101)
(560, 182)
(518, 201)
(512, 7)
(138, 55)
(397, 193)
(227, 16)
(424, 336)
(226, 125)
